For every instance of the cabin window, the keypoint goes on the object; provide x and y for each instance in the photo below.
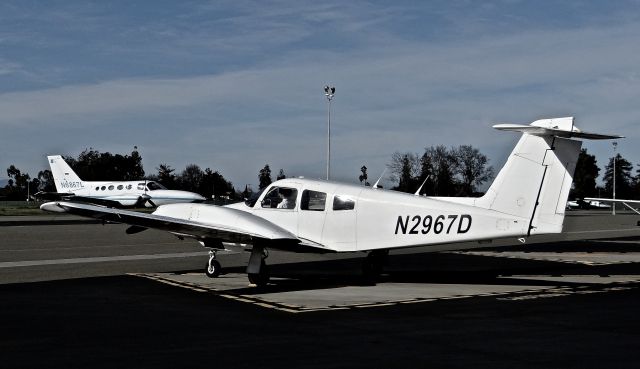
(97, 188)
(103, 188)
(141, 186)
(313, 200)
(110, 187)
(343, 203)
(129, 187)
(280, 198)
(120, 187)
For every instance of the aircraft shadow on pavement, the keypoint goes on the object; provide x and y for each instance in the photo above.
(613, 245)
(428, 268)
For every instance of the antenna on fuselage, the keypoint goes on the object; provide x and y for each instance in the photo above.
(423, 182)
(375, 185)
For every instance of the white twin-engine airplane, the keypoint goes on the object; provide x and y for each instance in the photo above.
(141, 193)
(528, 197)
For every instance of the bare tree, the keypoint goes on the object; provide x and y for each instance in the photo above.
(407, 162)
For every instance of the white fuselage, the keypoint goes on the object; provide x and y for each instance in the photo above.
(377, 219)
(128, 193)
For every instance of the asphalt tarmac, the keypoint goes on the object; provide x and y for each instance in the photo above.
(77, 294)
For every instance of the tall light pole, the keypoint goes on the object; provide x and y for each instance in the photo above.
(613, 205)
(329, 92)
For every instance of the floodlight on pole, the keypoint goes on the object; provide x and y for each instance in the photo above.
(329, 92)
(613, 205)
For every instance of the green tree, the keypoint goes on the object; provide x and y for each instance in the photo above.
(191, 178)
(213, 184)
(364, 176)
(427, 174)
(91, 165)
(472, 168)
(166, 176)
(17, 185)
(46, 182)
(636, 184)
(281, 175)
(264, 177)
(585, 175)
(624, 180)
(444, 165)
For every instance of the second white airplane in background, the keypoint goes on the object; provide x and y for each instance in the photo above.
(140, 193)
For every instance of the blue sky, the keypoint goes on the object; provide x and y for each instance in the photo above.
(232, 85)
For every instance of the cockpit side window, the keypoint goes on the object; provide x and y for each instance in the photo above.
(313, 200)
(152, 186)
(280, 198)
(343, 203)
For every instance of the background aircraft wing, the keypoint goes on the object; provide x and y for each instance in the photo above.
(229, 225)
(612, 200)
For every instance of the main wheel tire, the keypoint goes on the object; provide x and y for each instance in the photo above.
(213, 269)
(260, 279)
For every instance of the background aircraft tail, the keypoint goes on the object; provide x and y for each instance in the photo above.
(536, 179)
(66, 180)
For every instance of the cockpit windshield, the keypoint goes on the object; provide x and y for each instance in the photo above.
(152, 186)
(253, 198)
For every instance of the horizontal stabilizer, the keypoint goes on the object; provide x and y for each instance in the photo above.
(559, 127)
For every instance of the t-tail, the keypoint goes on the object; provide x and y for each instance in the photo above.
(534, 183)
(66, 180)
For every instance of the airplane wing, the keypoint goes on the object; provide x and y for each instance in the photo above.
(69, 196)
(624, 202)
(42, 195)
(227, 225)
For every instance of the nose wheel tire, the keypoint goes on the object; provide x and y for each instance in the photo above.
(213, 267)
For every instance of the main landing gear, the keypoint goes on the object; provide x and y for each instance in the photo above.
(373, 265)
(258, 270)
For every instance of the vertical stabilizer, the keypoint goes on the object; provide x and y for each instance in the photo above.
(534, 183)
(66, 180)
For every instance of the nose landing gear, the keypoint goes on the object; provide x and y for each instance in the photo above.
(213, 267)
